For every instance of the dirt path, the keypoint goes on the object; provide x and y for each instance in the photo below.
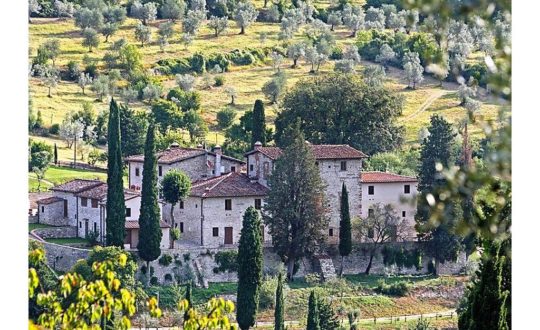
(427, 103)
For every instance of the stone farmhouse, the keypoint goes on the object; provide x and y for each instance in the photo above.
(388, 188)
(222, 189)
(82, 204)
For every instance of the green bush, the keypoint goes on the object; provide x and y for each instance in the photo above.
(337, 53)
(197, 63)
(399, 288)
(401, 257)
(219, 81)
(144, 269)
(267, 292)
(225, 117)
(54, 129)
(226, 261)
(165, 260)
(82, 268)
(73, 71)
(217, 59)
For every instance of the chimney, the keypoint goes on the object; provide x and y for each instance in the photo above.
(258, 145)
(217, 165)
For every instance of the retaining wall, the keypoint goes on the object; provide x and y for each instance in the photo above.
(57, 232)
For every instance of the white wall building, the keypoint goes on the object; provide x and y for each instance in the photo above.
(387, 188)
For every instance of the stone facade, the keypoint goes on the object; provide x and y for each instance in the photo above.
(52, 213)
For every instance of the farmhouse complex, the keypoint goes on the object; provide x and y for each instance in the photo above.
(222, 189)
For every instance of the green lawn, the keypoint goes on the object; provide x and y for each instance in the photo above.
(32, 226)
(69, 241)
(57, 175)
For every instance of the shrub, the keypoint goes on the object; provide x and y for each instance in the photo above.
(217, 59)
(93, 237)
(267, 292)
(219, 81)
(165, 260)
(225, 117)
(337, 53)
(187, 257)
(312, 278)
(168, 277)
(73, 71)
(154, 280)
(54, 129)
(197, 63)
(83, 268)
(226, 261)
(399, 288)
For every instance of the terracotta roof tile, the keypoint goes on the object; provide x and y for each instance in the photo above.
(135, 224)
(228, 185)
(49, 200)
(77, 185)
(320, 151)
(381, 177)
(176, 154)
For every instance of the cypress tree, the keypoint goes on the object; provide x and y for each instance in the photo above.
(345, 235)
(313, 322)
(116, 207)
(55, 154)
(259, 126)
(250, 259)
(150, 231)
(442, 244)
(279, 312)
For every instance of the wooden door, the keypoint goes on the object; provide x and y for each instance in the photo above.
(65, 209)
(228, 235)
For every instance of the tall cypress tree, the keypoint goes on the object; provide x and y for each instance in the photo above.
(116, 207)
(259, 126)
(313, 322)
(442, 244)
(55, 154)
(150, 231)
(345, 235)
(279, 312)
(250, 259)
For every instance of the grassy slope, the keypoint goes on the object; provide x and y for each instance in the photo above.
(57, 175)
(247, 80)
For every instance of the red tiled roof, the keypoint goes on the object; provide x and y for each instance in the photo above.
(176, 154)
(228, 185)
(77, 185)
(100, 193)
(135, 224)
(49, 200)
(381, 177)
(320, 151)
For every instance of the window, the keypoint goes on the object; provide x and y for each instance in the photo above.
(370, 233)
(80, 224)
(94, 203)
(331, 232)
(181, 205)
(228, 204)
(403, 214)
(128, 211)
(42, 209)
(343, 165)
(258, 203)
(160, 170)
(215, 231)
(95, 227)
(251, 167)
(233, 168)
(137, 171)
(84, 201)
(316, 163)
(181, 227)
(371, 190)
(407, 188)
(371, 212)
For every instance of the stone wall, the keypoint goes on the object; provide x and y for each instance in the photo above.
(62, 257)
(58, 232)
(52, 214)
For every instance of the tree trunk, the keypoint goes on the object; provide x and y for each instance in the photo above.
(265, 3)
(294, 62)
(290, 270)
(437, 264)
(332, 27)
(49, 93)
(370, 262)
(107, 38)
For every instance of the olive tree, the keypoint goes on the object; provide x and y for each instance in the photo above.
(218, 24)
(143, 34)
(413, 69)
(374, 19)
(245, 14)
(172, 9)
(192, 22)
(334, 19)
(145, 13)
(84, 80)
(295, 52)
(185, 81)
(386, 55)
(90, 39)
(353, 18)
